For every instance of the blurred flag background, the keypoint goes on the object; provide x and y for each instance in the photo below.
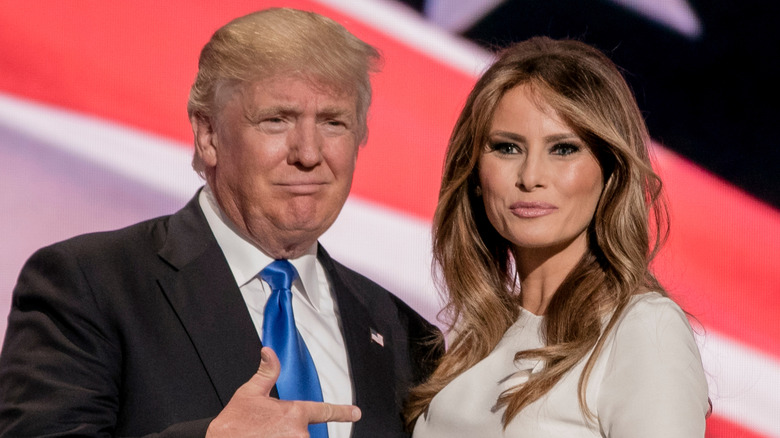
(94, 136)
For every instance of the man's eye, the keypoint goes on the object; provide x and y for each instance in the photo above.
(273, 125)
(334, 127)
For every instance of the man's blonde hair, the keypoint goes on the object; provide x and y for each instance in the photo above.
(283, 41)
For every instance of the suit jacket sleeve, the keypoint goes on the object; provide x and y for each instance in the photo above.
(61, 365)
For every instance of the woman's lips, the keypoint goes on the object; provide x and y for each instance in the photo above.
(531, 209)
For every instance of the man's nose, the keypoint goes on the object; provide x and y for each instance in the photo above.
(305, 148)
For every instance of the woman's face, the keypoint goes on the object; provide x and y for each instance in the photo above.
(540, 182)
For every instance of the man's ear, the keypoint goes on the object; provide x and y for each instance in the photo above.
(205, 139)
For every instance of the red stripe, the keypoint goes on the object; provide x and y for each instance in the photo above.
(722, 256)
(134, 64)
(131, 62)
(719, 427)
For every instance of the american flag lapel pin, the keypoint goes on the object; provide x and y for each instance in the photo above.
(377, 338)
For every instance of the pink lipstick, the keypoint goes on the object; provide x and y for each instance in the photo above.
(531, 209)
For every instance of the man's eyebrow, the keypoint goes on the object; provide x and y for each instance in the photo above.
(326, 112)
(261, 112)
(334, 111)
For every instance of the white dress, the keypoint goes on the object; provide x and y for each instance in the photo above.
(647, 382)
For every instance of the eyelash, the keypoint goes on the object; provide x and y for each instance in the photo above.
(504, 147)
(507, 148)
(276, 120)
(567, 147)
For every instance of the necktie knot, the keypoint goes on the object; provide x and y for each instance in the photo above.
(279, 274)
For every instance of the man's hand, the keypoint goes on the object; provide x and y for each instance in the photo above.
(251, 412)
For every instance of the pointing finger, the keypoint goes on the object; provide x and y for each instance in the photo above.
(325, 412)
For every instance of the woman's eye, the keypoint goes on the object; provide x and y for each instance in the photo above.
(505, 148)
(564, 149)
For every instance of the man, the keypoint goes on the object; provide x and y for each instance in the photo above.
(157, 328)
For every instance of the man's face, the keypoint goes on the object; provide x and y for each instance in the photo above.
(279, 157)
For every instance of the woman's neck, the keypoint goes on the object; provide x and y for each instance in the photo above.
(542, 270)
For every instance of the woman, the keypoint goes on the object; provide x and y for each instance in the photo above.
(543, 239)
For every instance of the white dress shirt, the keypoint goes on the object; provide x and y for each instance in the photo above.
(314, 306)
(648, 382)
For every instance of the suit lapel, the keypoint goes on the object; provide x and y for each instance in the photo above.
(207, 301)
(203, 293)
(371, 364)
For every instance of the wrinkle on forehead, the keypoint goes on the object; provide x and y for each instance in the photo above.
(228, 90)
(319, 89)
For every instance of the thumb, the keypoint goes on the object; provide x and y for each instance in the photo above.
(268, 372)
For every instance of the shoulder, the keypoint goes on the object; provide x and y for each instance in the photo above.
(101, 248)
(652, 316)
(134, 241)
(653, 382)
(77, 268)
(375, 296)
(386, 307)
(138, 234)
(96, 266)
(349, 275)
(653, 302)
(653, 340)
(78, 280)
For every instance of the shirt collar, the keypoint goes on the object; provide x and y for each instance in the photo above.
(247, 260)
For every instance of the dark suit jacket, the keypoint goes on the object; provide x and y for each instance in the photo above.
(143, 330)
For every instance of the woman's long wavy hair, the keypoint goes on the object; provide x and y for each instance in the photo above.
(476, 265)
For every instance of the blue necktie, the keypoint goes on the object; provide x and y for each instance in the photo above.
(298, 378)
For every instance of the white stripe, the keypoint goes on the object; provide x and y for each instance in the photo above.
(405, 25)
(744, 383)
(677, 14)
(150, 159)
(460, 16)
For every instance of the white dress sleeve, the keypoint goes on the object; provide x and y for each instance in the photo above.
(654, 383)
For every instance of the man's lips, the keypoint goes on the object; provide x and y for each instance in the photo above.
(302, 187)
(531, 209)
(302, 183)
